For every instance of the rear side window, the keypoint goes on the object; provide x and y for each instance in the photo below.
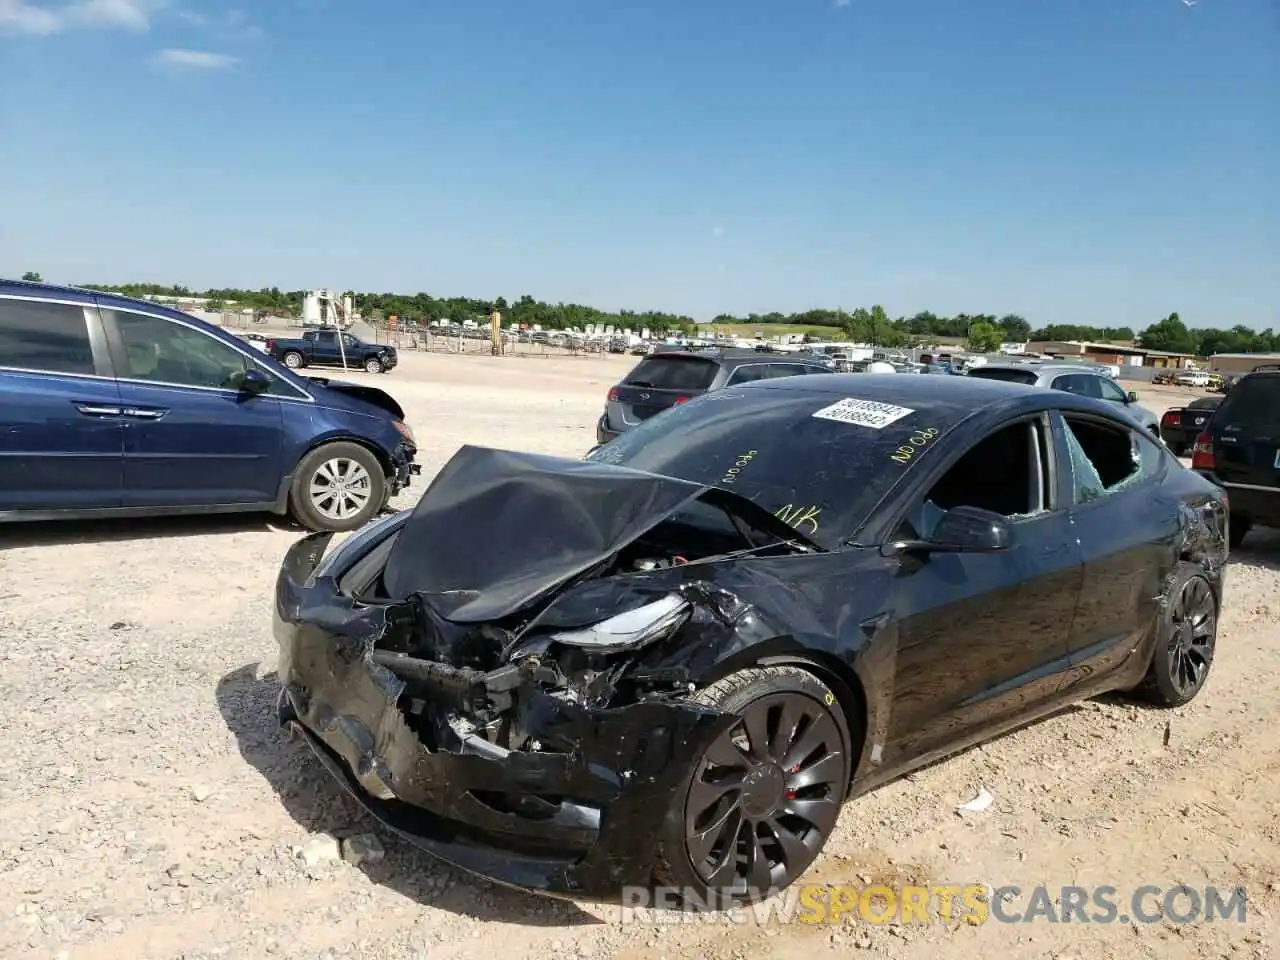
(1253, 402)
(673, 373)
(50, 337)
(1009, 376)
(749, 373)
(789, 369)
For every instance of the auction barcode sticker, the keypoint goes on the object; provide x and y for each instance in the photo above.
(864, 413)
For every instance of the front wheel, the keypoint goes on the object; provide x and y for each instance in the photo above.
(337, 487)
(373, 365)
(1186, 636)
(759, 805)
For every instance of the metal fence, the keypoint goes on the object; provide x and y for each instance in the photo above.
(511, 346)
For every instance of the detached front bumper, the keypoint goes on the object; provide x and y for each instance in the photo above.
(578, 814)
(405, 468)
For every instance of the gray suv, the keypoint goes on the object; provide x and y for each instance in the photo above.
(1073, 378)
(668, 378)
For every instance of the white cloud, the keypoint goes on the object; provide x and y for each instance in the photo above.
(195, 59)
(18, 16)
(129, 14)
(231, 25)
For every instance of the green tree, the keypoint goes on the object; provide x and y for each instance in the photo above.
(1169, 334)
(984, 337)
(31, 277)
(1014, 329)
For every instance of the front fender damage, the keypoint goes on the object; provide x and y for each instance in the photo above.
(544, 770)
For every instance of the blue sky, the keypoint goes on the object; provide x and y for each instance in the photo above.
(1100, 161)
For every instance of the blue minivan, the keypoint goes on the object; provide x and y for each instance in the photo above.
(111, 406)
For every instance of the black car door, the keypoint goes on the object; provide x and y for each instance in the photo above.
(1126, 526)
(982, 638)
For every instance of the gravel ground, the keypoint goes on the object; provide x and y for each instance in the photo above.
(149, 807)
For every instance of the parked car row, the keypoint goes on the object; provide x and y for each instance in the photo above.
(111, 406)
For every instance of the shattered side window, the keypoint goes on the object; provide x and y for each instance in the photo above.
(1088, 485)
(1107, 460)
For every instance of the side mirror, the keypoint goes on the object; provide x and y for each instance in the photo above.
(964, 530)
(254, 383)
(1133, 396)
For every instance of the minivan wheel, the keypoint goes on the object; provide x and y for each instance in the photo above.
(293, 360)
(339, 486)
(373, 365)
(757, 807)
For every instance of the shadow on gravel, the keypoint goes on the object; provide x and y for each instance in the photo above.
(319, 805)
(1261, 548)
(63, 532)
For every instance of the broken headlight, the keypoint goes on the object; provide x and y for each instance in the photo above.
(632, 629)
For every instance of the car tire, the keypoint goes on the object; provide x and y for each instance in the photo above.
(373, 365)
(761, 697)
(1178, 449)
(320, 500)
(1186, 636)
(1238, 528)
(294, 360)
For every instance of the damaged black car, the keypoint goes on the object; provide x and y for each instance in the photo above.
(672, 662)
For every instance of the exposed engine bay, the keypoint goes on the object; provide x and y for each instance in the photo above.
(466, 679)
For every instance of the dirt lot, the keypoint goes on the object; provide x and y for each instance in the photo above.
(150, 808)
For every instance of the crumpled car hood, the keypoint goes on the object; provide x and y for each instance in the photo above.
(498, 529)
(370, 395)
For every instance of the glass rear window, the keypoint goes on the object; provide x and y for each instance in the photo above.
(1005, 374)
(673, 373)
(1253, 402)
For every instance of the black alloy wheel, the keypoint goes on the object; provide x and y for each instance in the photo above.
(764, 798)
(1184, 650)
(1195, 628)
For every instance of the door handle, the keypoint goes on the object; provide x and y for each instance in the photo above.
(97, 410)
(144, 413)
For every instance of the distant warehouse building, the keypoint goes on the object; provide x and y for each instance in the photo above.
(1112, 354)
(1240, 362)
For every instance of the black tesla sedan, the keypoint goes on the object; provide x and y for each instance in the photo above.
(673, 661)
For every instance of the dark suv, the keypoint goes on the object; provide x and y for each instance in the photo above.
(668, 378)
(1240, 450)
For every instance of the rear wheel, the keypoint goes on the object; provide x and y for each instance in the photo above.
(293, 360)
(1239, 527)
(759, 805)
(1178, 449)
(1186, 637)
(339, 486)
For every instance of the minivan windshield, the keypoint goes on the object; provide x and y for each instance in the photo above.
(819, 461)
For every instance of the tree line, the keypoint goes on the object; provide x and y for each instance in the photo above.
(983, 332)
